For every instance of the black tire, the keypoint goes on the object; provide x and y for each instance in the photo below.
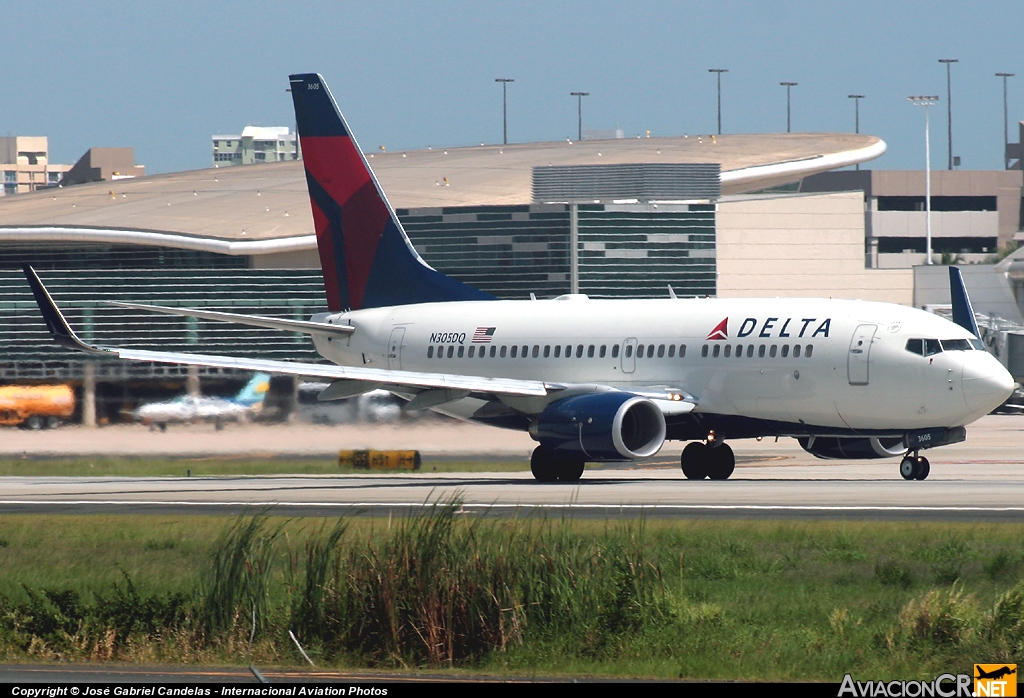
(570, 469)
(908, 468)
(52, 422)
(923, 468)
(721, 462)
(694, 461)
(35, 423)
(543, 465)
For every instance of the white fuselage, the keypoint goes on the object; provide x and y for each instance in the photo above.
(831, 363)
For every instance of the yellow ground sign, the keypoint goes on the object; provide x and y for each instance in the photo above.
(380, 460)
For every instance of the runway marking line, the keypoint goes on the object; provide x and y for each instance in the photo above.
(485, 507)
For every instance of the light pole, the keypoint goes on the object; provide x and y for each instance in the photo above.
(949, 108)
(856, 115)
(787, 85)
(719, 71)
(1006, 132)
(579, 111)
(504, 107)
(927, 101)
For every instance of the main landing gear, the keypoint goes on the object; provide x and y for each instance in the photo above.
(548, 466)
(713, 460)
(914, 467)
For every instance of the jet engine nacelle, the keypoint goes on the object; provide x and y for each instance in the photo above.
(608, 426)
(853, 448)
(861, 447)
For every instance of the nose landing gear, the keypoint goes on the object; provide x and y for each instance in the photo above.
(914, 467)
(714, 461)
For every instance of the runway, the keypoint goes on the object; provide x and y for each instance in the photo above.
(979, 480)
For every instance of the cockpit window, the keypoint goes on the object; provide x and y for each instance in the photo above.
(956, 345)
(932, 346)
(915, 346)
(977, 344)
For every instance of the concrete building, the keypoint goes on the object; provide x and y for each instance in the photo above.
(104, 165)
(25, 164)
(255, 145)
(241, 239)
(974, 213)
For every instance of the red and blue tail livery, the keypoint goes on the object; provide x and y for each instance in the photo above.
(367, 259)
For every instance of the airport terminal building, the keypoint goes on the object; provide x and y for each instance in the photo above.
(618, 218)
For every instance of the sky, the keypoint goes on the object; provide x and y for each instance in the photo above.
(164, 77)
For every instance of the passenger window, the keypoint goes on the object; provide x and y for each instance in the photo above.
(772, 352)
(430, 351)
(602, 351)
(739, 351)
(615, 351)
(472, 351)
(671, 350)
(568, 351)
(661, 350)
(760, 351)
(504, 350)
(650, 351)
(640, 351)
(462, 350)
(483, 351)
(796, 351)
(451, 350)
(716, 350)
(932, 346)
(809, 351)
(493, 349)
(704, 350)
(558, 350)
(785, 350)
(547, 350)
(526, 350)
(536, 350)
(590, 351)
(579, 351)
(728, 350)
(915, 346)
(750, 350)
(629, 351)
(682, 350)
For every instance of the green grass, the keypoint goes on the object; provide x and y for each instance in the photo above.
(699, 599)
(216, 466)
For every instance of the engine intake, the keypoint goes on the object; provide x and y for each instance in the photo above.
(609, 426)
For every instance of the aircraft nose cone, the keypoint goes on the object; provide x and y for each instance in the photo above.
(986, 383)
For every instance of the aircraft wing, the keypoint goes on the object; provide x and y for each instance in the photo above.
(66, 337)
(303, 326)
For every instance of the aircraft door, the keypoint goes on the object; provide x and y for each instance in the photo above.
(395, 349)
(629, 355)
(860, 352)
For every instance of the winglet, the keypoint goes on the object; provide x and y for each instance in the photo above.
(55, 322)
(963, 313)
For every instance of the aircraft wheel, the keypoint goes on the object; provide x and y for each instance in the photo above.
(543, 465)
(163, 426)
(694, 461)
(923, 468)
(908, 468)
(721, 462)
(570, 470)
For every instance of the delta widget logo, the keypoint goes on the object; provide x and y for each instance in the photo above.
(721, 330)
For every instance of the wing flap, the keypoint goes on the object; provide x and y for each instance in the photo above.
(303, 326)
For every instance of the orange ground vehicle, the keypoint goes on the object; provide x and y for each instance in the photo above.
(36, 406)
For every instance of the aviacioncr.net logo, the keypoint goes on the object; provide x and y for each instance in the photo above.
(944, 686)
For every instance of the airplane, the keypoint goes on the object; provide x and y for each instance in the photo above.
(604, 380)
(191, 408)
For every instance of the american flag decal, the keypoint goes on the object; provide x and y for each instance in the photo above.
(483, 335)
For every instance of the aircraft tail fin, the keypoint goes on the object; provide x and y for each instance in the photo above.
(255, 391)
(963, 313)
(367, 259)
